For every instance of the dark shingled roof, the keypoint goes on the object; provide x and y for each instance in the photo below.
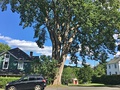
(115, 60)
(19, 54)
(35, 57)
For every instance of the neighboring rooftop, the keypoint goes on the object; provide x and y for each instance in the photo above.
(114, 60)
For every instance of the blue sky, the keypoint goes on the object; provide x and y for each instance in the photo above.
(15, 36)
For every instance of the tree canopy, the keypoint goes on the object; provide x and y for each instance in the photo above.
(100, 70)
(84, 26)
(45, 66)
(4, 47)
(85, 74)
(68, 74)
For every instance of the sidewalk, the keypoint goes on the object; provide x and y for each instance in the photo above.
(116, 86)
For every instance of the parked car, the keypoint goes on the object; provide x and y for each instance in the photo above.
(29, 82)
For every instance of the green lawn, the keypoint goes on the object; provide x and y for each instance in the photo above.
(89, 85)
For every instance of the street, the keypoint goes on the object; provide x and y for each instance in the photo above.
(82, 88)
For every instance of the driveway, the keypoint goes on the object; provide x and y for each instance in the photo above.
(82, 88)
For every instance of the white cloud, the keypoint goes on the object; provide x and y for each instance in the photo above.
(79, 62)
(5, 38)
(26, 45)
(68, 57)
(115, 36)
(70, 63)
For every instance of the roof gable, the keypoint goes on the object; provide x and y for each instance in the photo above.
(19, 54)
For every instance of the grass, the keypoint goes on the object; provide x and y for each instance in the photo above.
(56, 86)
(89, 85)
(94, 85)
(80, 85)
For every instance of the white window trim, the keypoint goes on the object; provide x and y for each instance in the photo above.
(20, 65)
(4, 65)
(6, 60)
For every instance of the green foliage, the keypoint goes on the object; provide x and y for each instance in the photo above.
(69, 73)
(108, 79)
(89, 23)
(5, 80)
(100, 70)
(45, 66)
(85, 74)
(4, 47)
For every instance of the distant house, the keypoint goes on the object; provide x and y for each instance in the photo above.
(16, 61)
(113, 66)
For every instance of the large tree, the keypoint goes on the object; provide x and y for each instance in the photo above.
(4, 47)
(84, 26)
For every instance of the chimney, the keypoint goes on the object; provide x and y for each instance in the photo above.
(31, 54)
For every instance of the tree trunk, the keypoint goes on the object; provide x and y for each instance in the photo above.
(57, 79)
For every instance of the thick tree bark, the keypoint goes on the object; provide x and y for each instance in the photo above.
(57, 80)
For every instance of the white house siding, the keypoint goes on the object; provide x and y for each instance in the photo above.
(119, 67)
(112, 69)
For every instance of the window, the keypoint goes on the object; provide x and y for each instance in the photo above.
(38, 78)
(5, 65)
(115, 65)
(116, 73)
(109, 73)
(24, 78)
(109, 66)
(31, 78)
(20, 65)
(6, 61)
(7, 55)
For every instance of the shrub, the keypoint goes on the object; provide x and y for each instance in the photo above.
(5, 80)
(107, 79)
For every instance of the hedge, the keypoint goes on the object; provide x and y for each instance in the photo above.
(107, 79)
(5, 80)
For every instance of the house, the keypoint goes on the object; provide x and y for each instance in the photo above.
(113, 66)
(16, 61)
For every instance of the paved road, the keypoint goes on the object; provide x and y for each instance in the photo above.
(82, 88)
